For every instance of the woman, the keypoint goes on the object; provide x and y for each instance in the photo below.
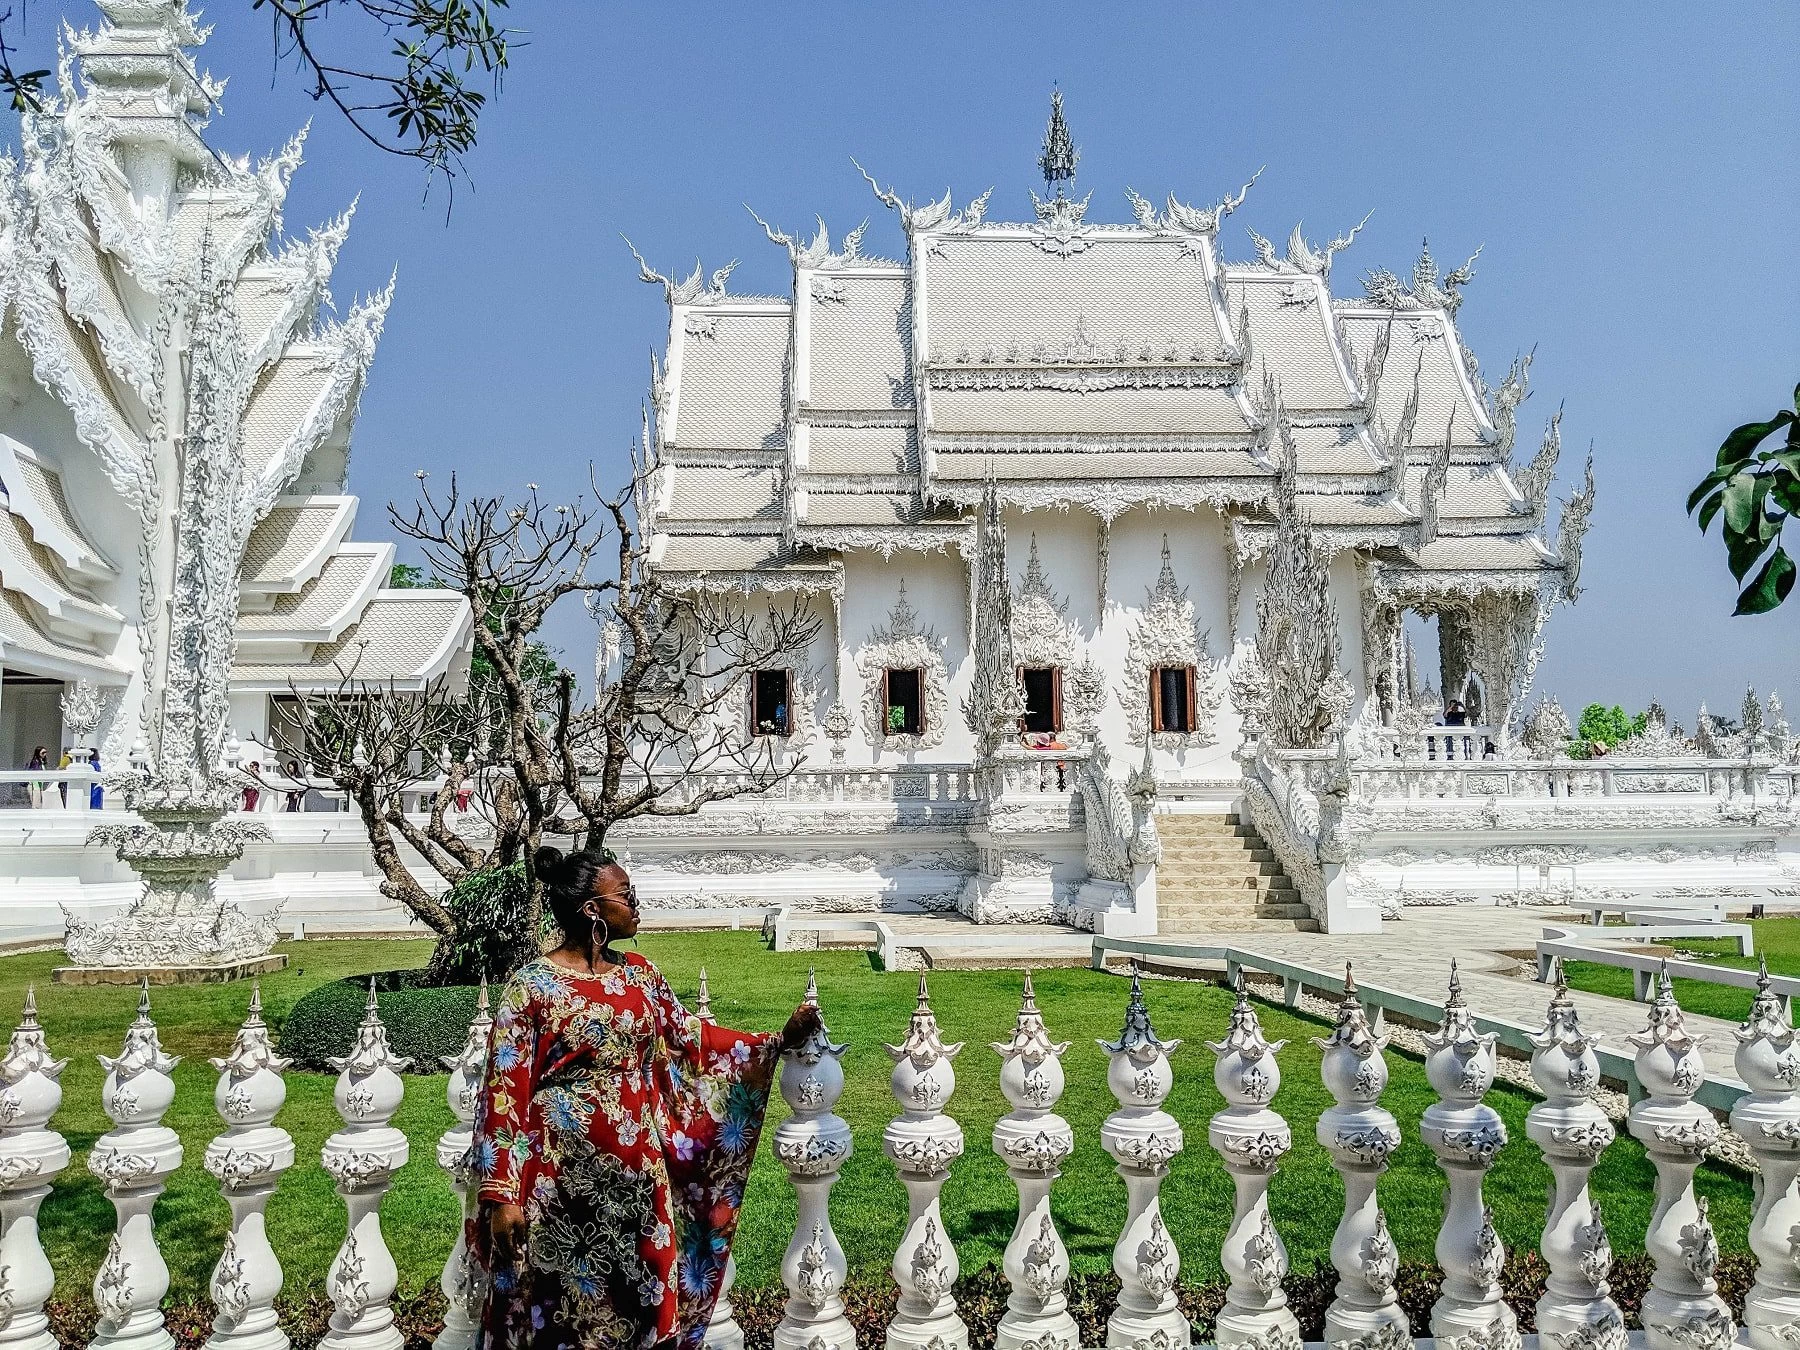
(40, 759)
(613, 1137)
(96, 793)
(295, 794)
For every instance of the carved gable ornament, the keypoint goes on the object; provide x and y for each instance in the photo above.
(1043, 636)
(1168, 634)
(902, 645)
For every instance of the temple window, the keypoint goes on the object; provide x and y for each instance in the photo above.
(770, 706)
(1043, 699)
(903, 695)
(1172, 698)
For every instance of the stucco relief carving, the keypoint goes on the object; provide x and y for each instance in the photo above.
(1043, 636)
(1168, 634)
(901, 645)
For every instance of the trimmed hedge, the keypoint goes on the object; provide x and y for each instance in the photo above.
(424, 1022)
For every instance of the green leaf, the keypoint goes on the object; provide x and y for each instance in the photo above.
(1710, 509)
(1742, 443)
(1772, 585)
(1707, 485)
(1742, 493)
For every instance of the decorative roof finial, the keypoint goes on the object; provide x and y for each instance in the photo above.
(1060, 155)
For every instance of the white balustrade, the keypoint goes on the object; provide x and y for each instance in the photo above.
(1577, 1311)
(722, 1329)
(813, 1144)
(133, 1160)
(362, 1158)
(1360, 1136)
(461, 1281)
(1467, 1135)
(1252, 1140)
(1034, 1142)
(31, 1154)
(923, 1142)
(1768, 1119)
(1142, 1138)
(248, 1160)
(1682, 1309)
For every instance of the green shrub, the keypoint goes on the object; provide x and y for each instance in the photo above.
(424, 1022)
(493, 928)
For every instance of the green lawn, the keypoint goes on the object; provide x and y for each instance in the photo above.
(1776, 939)
(755, 988)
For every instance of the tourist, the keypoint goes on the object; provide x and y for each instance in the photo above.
(613, 1136)
(1455, 715)
(96, 793)
(40, 759)
(296, 792)
(62, 785)
(252, 793)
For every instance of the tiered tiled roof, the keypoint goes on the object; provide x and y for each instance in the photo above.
(1095, 365)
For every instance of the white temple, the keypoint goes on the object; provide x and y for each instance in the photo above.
(1072, 494)
(175, 558)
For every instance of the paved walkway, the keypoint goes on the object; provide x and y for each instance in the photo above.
(1414, 954)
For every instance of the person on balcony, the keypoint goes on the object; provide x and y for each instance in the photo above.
(252, 792)
(296, 793)
(96, 793)
(613, 1136)
(40, 759)
(1455, 715)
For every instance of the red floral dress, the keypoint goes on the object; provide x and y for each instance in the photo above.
(625, 1127)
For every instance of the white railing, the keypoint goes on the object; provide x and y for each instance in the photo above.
(60, 790)
(1695, 779)
(135, 1159)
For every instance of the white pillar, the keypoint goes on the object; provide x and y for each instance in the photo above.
(1466, 1134)
(31, 1154)
(1576, 1311)
(1768, 1118)
(1034, 1142)
(923, 1142)
(134, 1159)
(248, 1160)
(722, 1329)
(1142, 1138)
(362, 1158)
(461, 1281)
(1682, 1308)
(1251, 1139)
(1360, 1136)
(813, 1144)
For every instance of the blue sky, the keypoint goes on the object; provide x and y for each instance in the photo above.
(1630, 170)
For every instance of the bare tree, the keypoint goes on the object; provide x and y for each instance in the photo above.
(667, 733)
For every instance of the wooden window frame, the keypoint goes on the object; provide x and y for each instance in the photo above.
(1159, 723)
(1056, 699)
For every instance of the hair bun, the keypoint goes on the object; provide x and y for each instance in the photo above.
(547, 860)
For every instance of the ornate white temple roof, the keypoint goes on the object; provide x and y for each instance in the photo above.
(408, 638)
(289, 546)
(1097, 365)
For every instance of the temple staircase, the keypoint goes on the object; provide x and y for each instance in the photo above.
(1217, 875)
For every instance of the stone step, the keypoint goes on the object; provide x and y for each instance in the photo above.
(1170, 927)
(1245, 851)
(1184, 883)
(1271, 909)
(1202, 827)
(952, 957)
(1205, 867)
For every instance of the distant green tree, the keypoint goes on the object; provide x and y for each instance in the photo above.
(1753, 491)
(406, 577)
(1608, 726)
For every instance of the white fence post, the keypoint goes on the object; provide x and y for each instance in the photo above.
(134, 1159)
(1142, 1138)
(1034, 1142)
(1768, 1118)
(362, 1158)
(812, 1145)
(461, 1281)
(1251, 1139)
(1576, 1310)
(1466, 1134)
(248, 1160)
(1682, 1308)
(923, 1142)
(31, 1154)
(1360, 1136)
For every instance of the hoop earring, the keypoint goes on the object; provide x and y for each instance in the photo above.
(601, 925)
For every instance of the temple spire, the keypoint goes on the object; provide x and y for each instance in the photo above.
(1060, 155)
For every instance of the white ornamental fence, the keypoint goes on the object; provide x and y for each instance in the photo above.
(1682, 1310)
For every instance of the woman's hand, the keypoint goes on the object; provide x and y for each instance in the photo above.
(800, 1027)
(506, 1233)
